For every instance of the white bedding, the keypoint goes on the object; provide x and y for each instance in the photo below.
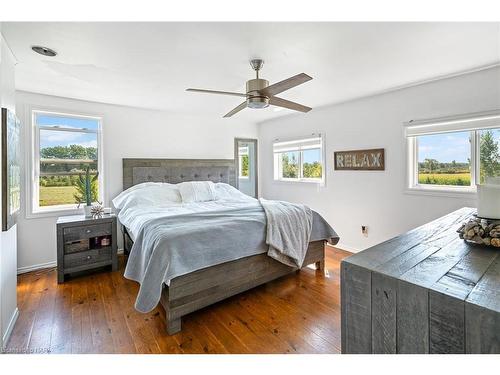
(144, 202)
(173, 239)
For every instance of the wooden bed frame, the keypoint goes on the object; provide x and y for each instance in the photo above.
(193, 291)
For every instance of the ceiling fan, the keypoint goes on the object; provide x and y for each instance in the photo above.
(260, 95)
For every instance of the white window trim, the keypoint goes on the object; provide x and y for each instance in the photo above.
(33, 211)
(445, 125)
(313, 181)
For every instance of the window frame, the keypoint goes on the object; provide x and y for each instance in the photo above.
(33, 209)
(277, 170)
(411, 184)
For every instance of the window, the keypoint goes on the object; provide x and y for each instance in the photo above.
(453, 154)
(489, 154)
(243, 155)
(444, 159)
(299, 159)
(64, 146)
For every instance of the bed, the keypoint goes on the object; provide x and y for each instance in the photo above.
(240, 264)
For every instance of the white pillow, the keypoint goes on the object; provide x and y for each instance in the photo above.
(197, 191)
(149, 193)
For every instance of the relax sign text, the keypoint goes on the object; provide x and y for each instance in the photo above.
(360, 160)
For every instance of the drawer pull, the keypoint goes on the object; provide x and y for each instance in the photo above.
(89, 257)
(88, 231)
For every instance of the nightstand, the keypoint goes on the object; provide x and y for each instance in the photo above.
(85, 244)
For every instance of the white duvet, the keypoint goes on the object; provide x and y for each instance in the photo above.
(172, 238)
(144, 202)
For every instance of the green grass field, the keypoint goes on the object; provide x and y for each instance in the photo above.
(458, 179)
(55, 195)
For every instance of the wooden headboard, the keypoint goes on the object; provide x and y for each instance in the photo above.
(136, 171)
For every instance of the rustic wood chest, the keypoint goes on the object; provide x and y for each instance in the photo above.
(426, 291)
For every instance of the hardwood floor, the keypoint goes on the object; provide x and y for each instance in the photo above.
(299, 313)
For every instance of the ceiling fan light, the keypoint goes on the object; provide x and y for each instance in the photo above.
(258, 102)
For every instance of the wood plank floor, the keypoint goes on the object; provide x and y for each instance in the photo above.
(299, 313)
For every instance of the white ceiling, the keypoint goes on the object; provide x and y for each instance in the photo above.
(151, 64)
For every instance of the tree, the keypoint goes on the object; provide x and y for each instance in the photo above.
(489, 155)
(312, 170)
(290, 166)
(431, 164)
(69, 152)
(244, 166)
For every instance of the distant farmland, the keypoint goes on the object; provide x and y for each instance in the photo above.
(55, 195)
(460, 179)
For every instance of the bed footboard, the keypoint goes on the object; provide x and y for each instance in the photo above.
(204, 287)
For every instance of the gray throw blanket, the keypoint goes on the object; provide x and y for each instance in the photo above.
(171, 246)
(289, 229)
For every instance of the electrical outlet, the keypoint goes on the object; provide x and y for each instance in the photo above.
(364, 230)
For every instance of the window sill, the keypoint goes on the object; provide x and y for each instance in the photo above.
(54, 212)
(296, 181)
(469, 193)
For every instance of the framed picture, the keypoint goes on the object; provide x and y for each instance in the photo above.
(11, 169)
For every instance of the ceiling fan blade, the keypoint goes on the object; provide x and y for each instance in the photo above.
(236, 110)
(285, 84)
(274, 100)
(218, 92)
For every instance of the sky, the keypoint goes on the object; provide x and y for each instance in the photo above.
(310, 156)
(54, 138)
(447, 147)
(444, 147)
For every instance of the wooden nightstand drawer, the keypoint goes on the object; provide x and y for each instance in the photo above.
(76, 246)
(87, 231)
(87, 257)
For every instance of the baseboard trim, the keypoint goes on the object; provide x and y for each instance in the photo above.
(10, 327)
(346, 247)
(36, 267)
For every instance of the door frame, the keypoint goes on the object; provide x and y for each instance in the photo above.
(237, 162)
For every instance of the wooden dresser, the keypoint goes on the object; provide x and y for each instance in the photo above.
(85, 244)
(426, 291)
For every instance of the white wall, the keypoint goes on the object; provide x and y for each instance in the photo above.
(127, 133)
(376, 199)
(349, 200)
(8, 248)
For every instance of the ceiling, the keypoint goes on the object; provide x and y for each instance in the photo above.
(151, 64)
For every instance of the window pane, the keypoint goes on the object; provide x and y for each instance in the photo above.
(311, 167)
(489, 151)
(243, 162)
(290, 164)
(67, 152)
(61, 121)
(68, 144)
(63, 157)
(444, 159)
(244, 166)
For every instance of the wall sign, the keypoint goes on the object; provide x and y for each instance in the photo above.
(360, 160)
